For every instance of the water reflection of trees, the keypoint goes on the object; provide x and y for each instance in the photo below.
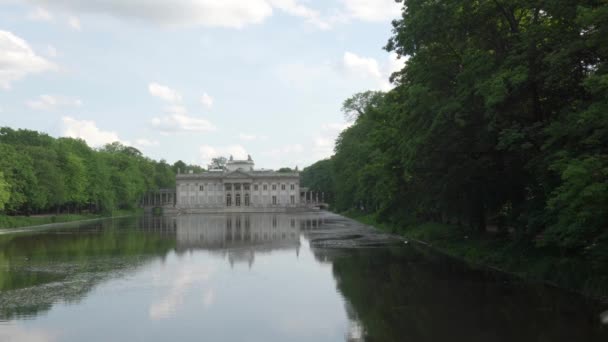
(400, 294)
(63, 265)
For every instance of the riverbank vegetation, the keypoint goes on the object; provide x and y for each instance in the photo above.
(40, 174)
(497, 126)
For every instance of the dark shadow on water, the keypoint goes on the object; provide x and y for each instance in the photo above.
(409, 294)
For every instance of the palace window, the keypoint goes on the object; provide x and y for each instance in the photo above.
(228, 186)
(255, 187)
(293, 199)
(228, 200)
(282, 186)
(274, 200)
(238, 200)
(201, 188)
(246, 187)
(247, 200)
(274, 186)
(237, 187)
(293, 186)
(265, 186)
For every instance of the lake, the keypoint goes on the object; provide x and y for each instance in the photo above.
(265, 277)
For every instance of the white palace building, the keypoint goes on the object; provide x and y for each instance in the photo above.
(239, 188)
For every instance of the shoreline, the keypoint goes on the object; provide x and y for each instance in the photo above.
(489, 252)
(61, 220)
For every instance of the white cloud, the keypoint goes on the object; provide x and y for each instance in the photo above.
(207, 101)
(292, 7)
(372, 10)
(74, 23)
(285, 150)
(163, 92)
(146, 143)
(51, 51)
(88, 131)
(17, 60)
(40, 14)
(176, 109)
(395, 63)
(247, 137)
(190, 13)
(208, 152)
(361, 65)
(300, 75)
(210, 13)
(252, 137)
(51, 102)
(369, 68)
(176, 123)
(324, 141)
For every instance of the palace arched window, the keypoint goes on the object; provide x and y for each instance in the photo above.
(247, 200)
(228, 200)
(238, 200)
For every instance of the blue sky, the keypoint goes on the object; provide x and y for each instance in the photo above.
(193, 79)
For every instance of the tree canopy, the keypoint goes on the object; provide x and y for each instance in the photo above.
(498, 118)
(41, 174)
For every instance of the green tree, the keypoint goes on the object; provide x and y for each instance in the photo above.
(4, 192)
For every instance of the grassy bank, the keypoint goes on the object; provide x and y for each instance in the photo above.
(36, 220)
(586, 273)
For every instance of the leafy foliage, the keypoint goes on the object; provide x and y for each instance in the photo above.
(41, 174)
(498, 118)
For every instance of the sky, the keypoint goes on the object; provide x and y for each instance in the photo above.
(194, 79)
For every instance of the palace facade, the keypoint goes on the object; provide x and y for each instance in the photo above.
(240, 187)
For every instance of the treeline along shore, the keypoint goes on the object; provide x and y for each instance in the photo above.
(496, 133)
(43, 176)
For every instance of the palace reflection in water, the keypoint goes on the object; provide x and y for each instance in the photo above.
(237, 235)
(194, 277)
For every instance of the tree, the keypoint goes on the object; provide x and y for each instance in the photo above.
(357, 105)
(4, 192)
(218, 163)
(179, 167)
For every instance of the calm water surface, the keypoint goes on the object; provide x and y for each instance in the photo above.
(264, 277)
